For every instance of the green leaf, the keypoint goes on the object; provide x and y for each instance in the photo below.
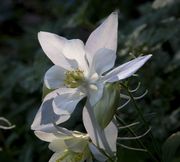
(170, 147)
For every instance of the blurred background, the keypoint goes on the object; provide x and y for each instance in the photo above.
(145, 26)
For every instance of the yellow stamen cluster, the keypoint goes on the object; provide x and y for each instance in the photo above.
(74, 78)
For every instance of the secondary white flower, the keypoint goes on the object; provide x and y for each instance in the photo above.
(67, 147)
(80, 70)
(70, 146)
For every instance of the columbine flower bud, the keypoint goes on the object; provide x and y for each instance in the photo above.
(105, 108)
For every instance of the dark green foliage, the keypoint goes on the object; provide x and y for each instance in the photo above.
(143, 29)
(170, 147)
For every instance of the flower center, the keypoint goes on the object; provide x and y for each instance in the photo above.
(74, 78)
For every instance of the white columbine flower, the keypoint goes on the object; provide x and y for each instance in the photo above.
(80, 70)
(70, 146)
(67, 147)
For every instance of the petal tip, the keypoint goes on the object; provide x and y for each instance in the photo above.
(42, 34)
(115, 13)
(145, 57)
(34, 126)
(148, 56)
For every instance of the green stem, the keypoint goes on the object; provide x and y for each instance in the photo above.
(137, 140)
(155, 145)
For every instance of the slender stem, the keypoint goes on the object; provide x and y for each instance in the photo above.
(155, 145)
(137, 140)
(98, 129)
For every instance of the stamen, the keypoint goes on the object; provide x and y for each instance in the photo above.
(74, 78)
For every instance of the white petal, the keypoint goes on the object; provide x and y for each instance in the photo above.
(57, 145)
(111, 133)
(48, 137)
(66, 102)
(54, 77)
(60, 49)
(126, 70)
(103, 61)
(74, 49)
(105, 36)
(89, 124)
(46, 116)
(54, 133)
(95, 92)
(52, 45)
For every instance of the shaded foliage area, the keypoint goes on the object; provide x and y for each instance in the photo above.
(144, 27)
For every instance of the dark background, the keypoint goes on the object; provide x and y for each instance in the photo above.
(144, 27)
